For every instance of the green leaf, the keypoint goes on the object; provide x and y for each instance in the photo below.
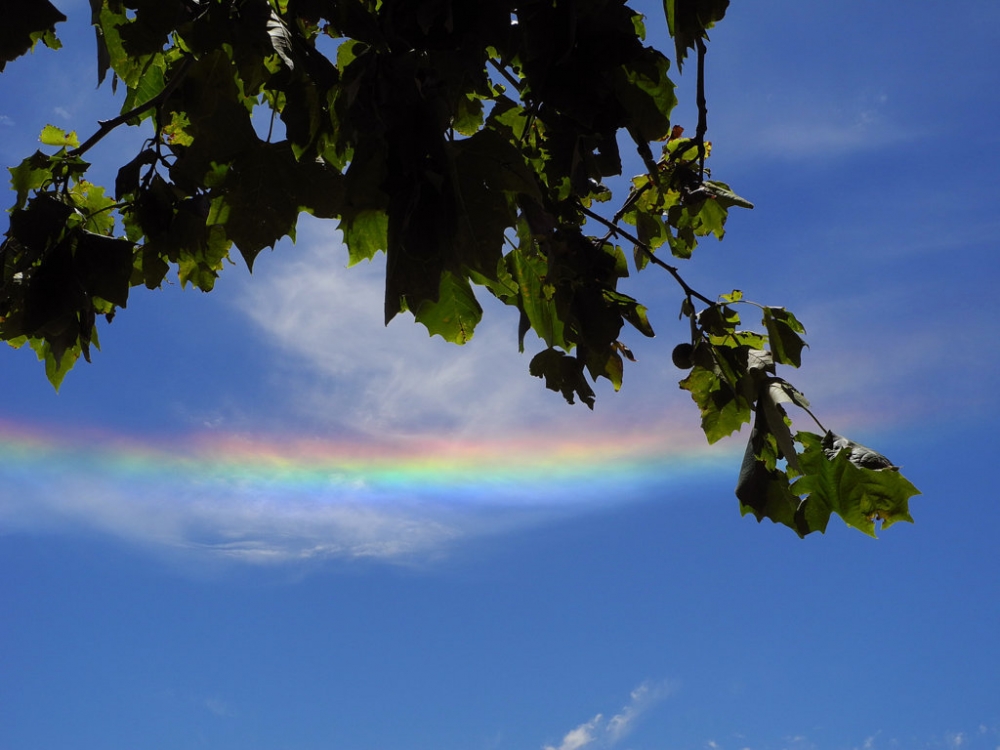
(723, 411)
(30, 174)
(860, 496)
(53, 136)
(631, 310)
(688, 20)
(647, 94)
(200, 262)
(455, 314)
(763, 489)
(723, 195)
(783, 331)
(529, 269)
(150, 83)
(56, 365)
(147, 32)
(365, 234)
(258, 203)
(468, 117)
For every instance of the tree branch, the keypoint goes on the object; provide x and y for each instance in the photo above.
(518, 86)
(699, 136)
(106, 126)
(672, 270)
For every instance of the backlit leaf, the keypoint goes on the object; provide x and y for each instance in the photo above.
(53, 136)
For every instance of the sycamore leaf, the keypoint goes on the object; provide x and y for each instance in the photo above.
(563, 374)
(53, 136)
(857, 454)
(723, 411)
(56, 364)
(455, 313)
(783, 332)
(468, 118)
(25, 22)
(258, 205)
(764, 490)
(771, 395)
(365, 234)
(723, 195)
(529, 268)
(859, 495)
(688, 20)
(31, 174)
(104, 266)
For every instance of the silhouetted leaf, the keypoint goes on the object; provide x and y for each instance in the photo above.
(25, 22)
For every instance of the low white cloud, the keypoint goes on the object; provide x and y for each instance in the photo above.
(604, 733)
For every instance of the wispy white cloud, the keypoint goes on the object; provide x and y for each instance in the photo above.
(603, 733)
(245, 524)
(581, 736)
(343, 360)
(640, 700)
(803, 132)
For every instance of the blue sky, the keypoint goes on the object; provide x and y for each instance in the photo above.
(181, 571)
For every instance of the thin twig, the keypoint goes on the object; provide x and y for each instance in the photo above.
(106, 126)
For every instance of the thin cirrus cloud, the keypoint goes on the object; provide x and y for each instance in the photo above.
(600, 732)
(801, 132)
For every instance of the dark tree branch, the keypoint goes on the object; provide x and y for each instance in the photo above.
(699, 136)
(672, 270)
(518, 86)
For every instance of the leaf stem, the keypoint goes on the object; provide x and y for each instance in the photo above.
(814, 419)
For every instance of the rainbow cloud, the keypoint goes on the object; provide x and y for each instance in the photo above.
(255, 500)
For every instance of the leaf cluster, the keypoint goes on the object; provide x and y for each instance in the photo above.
(471, 142)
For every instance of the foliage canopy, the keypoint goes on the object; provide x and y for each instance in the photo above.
(472, 143)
